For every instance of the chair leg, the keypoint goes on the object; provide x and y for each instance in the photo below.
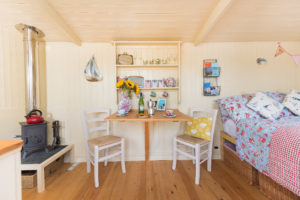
(174, 153)
(197, 177)
(88, 163)
(123, 156)
(193, 153)
(209, 158)
(96, 157)
(106, 154)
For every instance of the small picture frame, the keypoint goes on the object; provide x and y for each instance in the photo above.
(161, 105)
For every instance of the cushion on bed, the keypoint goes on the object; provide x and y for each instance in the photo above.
(292, 102)
(199, 127)
(237, 109)
(280, 97)
(266, 106)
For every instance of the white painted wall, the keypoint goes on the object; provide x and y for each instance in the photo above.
(297, 77)
(68, 93)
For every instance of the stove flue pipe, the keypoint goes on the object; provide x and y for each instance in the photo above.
(30, 38)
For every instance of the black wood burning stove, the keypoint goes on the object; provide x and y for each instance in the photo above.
(34, 137)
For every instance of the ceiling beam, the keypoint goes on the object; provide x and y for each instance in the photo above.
(221, 7)
(57, 18)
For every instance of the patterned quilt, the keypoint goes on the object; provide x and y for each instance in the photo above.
(284, 158)
(261, 142)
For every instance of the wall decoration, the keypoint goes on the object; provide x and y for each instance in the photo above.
(153, 94)
(91, 71)
(280, 50)
(211, 73)
(165, 94)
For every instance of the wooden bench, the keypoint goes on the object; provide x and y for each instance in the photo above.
(41, 167)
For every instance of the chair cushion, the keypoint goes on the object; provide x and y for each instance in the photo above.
(199, 127)
(192, 140)
(104, 140)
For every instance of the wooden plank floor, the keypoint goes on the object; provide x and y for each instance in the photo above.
(153, 181)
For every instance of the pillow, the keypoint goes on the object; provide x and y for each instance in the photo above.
(266, 106)
(280, 97)
(292, 102)
(199, 127)
(237, 109)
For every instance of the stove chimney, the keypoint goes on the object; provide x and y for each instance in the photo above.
(30, 38)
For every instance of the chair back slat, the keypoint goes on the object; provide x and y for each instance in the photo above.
(96, 120)
(91, 117)
(91, 130)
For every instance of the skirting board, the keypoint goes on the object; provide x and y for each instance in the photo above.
(142, 158)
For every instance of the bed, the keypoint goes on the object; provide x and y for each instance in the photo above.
(264, 151)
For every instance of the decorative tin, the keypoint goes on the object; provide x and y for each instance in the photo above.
(138, 80)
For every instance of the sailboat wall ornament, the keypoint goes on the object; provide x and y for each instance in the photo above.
(92, 72)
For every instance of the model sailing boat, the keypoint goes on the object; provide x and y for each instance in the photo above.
(91, 71)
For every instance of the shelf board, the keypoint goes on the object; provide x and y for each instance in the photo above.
(150, 65)
(211, 76)
(146, 42)
(165, 88)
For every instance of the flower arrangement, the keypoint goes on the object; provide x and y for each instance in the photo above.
(128, 86)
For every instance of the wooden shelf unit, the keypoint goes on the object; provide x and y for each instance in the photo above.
(149, 44)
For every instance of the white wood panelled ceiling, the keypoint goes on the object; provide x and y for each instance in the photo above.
(258, 20)
(186, 20)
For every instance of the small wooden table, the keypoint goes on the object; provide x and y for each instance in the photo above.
(158, 117)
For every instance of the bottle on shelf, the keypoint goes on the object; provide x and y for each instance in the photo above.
(141, 104)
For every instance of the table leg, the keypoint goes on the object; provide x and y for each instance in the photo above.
(40, 179)
(147, 141)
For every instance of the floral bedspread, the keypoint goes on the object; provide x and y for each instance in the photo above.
(253, 140)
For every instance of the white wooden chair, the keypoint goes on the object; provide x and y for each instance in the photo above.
(201, 150)
(93, 122)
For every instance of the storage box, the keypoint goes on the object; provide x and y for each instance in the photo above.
(54, 166)
(28, 179)
(273, 190)
(243, 168)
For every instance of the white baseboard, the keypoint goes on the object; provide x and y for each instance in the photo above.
(141, 157)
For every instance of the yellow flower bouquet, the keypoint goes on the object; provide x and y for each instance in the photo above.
(128, 86)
